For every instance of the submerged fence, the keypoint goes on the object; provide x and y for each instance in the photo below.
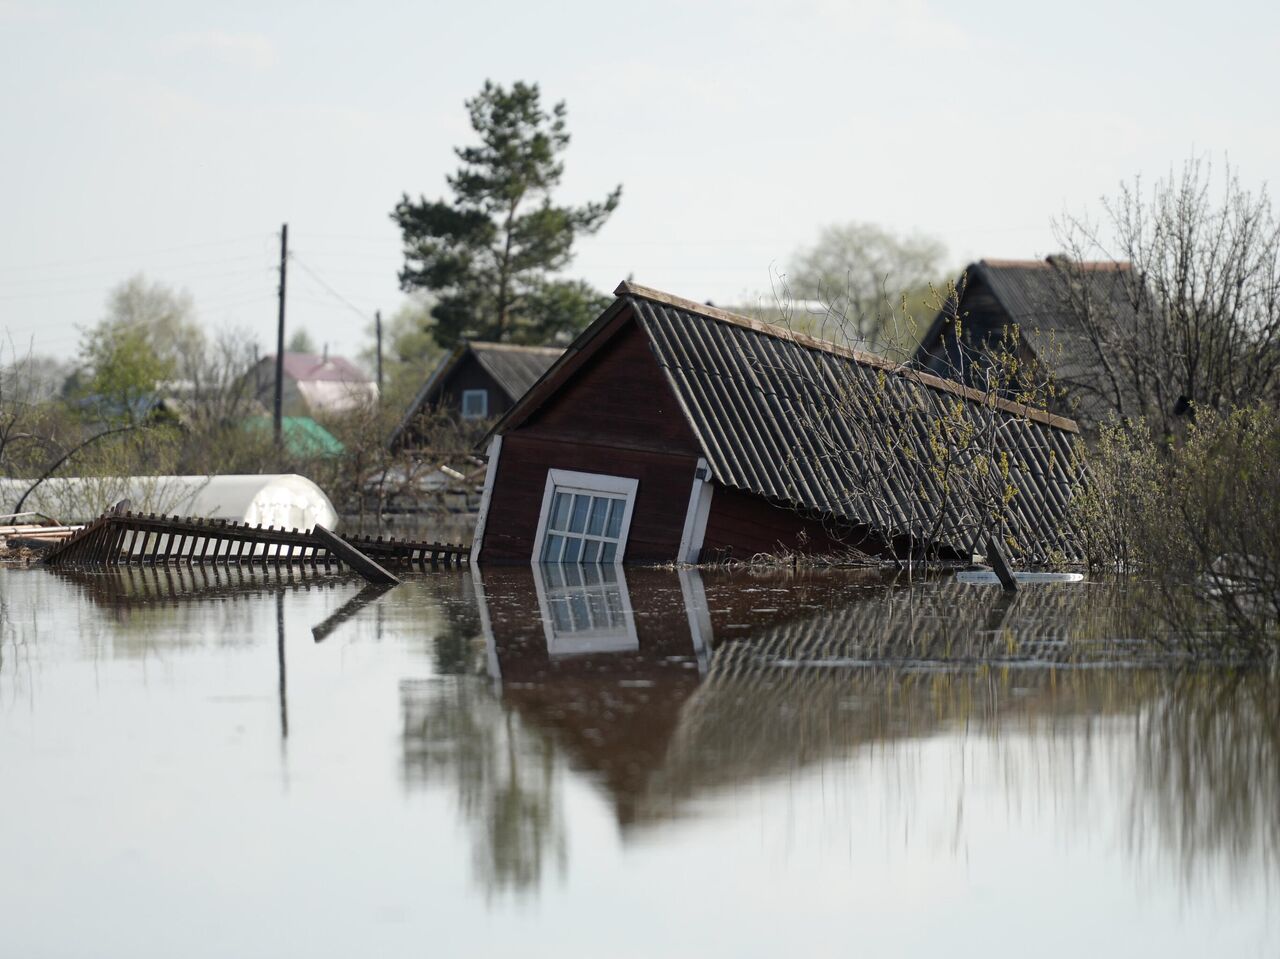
(129, 539)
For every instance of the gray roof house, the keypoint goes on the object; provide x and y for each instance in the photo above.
(477, 381)
(1058, 306)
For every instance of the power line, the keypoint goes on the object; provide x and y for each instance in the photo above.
(124, 256)
(330, 290)
(97, 289)
(10, 282)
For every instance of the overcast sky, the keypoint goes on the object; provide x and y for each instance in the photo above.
(174, 138)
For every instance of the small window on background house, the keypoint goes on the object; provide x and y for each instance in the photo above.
(585, 518)
(475, 404)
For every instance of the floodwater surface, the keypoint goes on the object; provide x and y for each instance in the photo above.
(579, 763)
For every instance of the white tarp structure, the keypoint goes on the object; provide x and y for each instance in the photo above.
(283, 500)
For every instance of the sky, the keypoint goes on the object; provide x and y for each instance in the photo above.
(173, 139)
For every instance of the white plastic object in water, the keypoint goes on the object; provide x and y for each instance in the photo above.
(983, 577)
(283, 500)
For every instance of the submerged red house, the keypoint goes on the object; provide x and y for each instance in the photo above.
(670, 431)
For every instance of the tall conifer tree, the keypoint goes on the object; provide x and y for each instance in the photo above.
(489, 254)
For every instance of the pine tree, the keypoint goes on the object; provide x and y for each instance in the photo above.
(488, 255)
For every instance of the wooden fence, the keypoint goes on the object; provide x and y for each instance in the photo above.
(150, 540)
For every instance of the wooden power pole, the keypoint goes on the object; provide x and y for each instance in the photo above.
(377, 331)
(277, 421)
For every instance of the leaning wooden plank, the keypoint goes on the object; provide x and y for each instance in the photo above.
(357, 560)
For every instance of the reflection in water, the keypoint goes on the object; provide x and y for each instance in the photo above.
(1209, 773)
(671, 689)
(150, 603)
(840, 759)
(348, 610)
(585, 609)
(505, 775)
(149, 606)
(284, 699)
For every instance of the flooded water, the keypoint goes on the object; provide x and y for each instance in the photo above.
(662, 764)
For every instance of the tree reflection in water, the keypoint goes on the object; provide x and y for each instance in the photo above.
(505, 775)
(1208, 775)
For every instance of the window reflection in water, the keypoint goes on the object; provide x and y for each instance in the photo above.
(585, 609)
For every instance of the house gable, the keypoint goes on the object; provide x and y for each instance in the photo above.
(619, 398)
(611, 413)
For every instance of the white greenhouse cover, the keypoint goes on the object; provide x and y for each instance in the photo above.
(281, 500)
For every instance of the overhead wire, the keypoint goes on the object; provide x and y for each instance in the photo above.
(125, 256)
(329, 289)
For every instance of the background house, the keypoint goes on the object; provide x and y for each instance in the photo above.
(672, 432)
(1058, 306)
(314, 385)
(476, 381)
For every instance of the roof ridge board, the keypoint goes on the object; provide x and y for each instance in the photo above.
(629, 289)
(514, 347)
(1054, 262)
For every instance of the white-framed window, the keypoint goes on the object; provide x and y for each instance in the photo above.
(585, 609)
(475, 404)
(585, 518)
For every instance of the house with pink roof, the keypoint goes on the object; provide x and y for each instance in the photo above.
(315, 385)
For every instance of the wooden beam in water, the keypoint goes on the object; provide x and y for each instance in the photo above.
(362, 564)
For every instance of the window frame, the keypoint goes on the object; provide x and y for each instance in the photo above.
(484, 396)
(591, 484)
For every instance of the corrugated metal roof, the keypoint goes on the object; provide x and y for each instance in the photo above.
(790, 418)
(1035, 295)
(516, 368)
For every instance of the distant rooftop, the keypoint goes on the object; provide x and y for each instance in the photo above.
(313, 366)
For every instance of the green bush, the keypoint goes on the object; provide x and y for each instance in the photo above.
(1200, 519)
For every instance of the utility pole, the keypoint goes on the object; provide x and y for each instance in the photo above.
(377, 330)
(277, 422)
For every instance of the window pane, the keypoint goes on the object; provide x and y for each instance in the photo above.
(579, 518)
(591, 551)
(607, 554)
(572, 547)
(614, 528)
(599, 510)
(551, 548)
(559, 512)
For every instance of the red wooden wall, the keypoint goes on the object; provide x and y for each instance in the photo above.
(615, 416)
